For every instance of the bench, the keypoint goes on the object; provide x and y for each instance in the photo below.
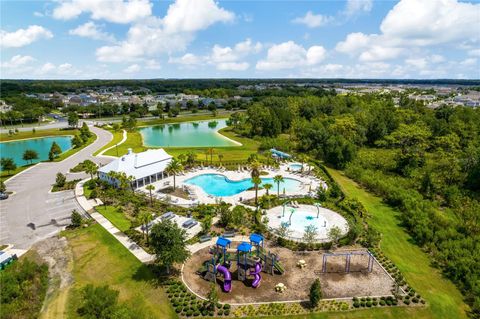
(229, 233)
(204, 238)
(167, 216)
(189, 223)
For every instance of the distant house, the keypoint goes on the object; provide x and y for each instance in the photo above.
(145, 167)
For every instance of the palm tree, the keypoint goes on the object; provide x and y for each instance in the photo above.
(278, 179)
(256, 181)
(220, 157)
(174, 167)
(211, 151)
(267, 187)
(302, 159)
(150, 188)
(114, 176)
(206, 155)
(145, 218)
(254, 169)
(91, 168)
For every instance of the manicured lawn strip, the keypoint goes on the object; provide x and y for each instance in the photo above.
(72, 151)
(100, 259)
(133, 141)
(444, 298)
(6, 175)
(4, 137)
(116, 217)
(117, 137)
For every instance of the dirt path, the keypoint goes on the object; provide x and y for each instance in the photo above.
(56, 252)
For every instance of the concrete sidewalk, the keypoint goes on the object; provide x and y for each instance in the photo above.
(135, 249)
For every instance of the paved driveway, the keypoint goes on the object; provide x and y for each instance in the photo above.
(33, 213)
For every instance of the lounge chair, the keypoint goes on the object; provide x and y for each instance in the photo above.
(167, 216)
(189, 223)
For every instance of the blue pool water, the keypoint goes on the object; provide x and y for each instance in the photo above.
(219, 185)
(15, 149)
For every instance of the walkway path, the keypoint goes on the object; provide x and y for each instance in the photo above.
(33, 213)
(135, 249)
(124, 138)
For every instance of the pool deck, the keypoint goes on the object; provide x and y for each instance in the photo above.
(198, 195)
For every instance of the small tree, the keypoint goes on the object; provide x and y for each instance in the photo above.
(310, 234)
(90, 168)
(76, 218)
(174, 168)
(256, 182)
(283, 231)
(73, 119)
(315, 293)
(77, 141)
(267, 187)
(150, 188)
(8, 164)
(212, 297)
(55, 150)
(98, 302)
(169, 244)
(60, 180)
(3, 187)
(30, 155)
(334, 235)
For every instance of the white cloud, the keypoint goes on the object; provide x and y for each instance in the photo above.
(173, 33)
(91, 30)
(46, 68)
(38, 14)
(23, 37)
(117, 11)
(312, 20)
(412, 24)
(17, 61)
(474, 52)
(354, 7)
(187, 59)
(223, 58)
(134, 68)
(194, 15)
(419, 63)
(152, 65)
(469, 62)
(289, 55)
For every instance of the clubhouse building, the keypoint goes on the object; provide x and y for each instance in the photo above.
(145, 167)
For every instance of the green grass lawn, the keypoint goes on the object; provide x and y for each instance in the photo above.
(117, 137)
(72, 151)
(115, 216)
(444, 299)
(4, 137)
(4, 175)
(100, 259)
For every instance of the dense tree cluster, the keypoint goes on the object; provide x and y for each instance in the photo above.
(424, 162)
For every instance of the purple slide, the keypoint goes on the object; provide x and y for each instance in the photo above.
(227, 278)
(256, 275)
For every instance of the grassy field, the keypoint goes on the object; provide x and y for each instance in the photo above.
(4, 175)
(115, 216)
(4, 137)
(117, 137)
(134, 141)
(445, 301)
(99, 259)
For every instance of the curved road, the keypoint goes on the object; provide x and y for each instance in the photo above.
(32, 213)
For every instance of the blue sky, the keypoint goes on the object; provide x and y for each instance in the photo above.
(83, 39)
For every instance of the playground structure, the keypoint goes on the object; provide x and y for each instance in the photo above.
(251, 259)
(348, 257)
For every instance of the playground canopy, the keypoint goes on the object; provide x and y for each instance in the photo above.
(277, 153)
(257, 239)
(244, 247)
(223, 242)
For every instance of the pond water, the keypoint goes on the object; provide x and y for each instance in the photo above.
(15, 149)
(188, 134)
(220, 185)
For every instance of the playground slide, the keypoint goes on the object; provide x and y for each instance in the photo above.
(227, 278)
(256, 275)
(279, 267)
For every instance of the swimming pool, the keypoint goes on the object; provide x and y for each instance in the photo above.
(42, 145)
(220, 186)
(297, 219)
(188, 134)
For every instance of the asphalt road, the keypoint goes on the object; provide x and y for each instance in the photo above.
(32, 213)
